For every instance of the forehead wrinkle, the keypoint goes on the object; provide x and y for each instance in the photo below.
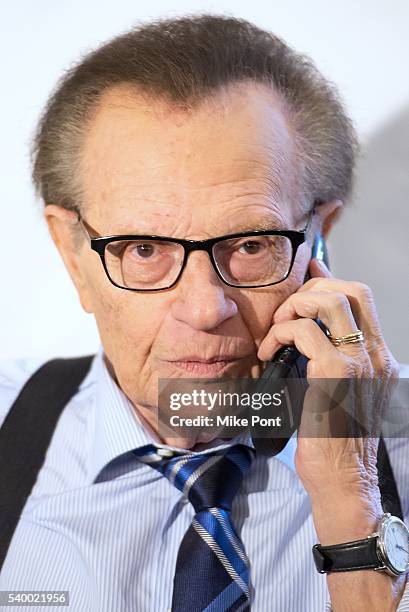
(155, 227)
(258, 225)
(238, 171)
(260, 168)
(265, 186)
(257, 191)
(268, 182)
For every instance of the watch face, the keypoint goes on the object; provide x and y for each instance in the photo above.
(396, 543)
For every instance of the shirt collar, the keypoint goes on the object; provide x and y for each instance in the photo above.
(118, 429)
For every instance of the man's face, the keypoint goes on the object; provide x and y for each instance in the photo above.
(149, 168)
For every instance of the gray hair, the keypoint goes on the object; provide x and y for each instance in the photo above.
(183, 60)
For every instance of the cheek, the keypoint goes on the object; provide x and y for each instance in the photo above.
(257, 308)
(127, 323)
(129, 326)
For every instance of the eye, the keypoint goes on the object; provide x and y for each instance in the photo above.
(250, 247)
(253, 246)
(144, 249)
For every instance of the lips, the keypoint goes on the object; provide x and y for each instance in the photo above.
(198, 359)
(207, 367)
(202, 368)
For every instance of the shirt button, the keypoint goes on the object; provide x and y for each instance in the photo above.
(165, 452)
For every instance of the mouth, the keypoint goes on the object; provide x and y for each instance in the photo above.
(206, 367)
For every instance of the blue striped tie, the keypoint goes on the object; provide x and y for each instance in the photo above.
(212, 570)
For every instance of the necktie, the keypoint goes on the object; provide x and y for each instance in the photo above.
(212, 569)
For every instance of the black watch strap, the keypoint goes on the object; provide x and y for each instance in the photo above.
(360, 554)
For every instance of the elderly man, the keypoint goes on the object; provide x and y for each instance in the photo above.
(186, 168)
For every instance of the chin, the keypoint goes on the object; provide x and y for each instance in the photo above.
(189, 443)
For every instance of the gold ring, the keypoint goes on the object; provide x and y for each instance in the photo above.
(348, 339)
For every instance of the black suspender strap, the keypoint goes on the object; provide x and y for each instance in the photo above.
(26, 434)
(387, 484)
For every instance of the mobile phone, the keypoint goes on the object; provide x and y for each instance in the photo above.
(287, 363)
(288, 360)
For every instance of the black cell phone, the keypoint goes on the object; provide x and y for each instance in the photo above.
(288, 362)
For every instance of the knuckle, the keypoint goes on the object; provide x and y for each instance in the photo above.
(340, 300)
(279, 326)
(387, 366)
(345, 367)
(368, 371)
(311, 282)
(361, 367)
(353, 362)
(376, 343)
(385, 363)
(395, 370)
(351, 368)
(363, 290)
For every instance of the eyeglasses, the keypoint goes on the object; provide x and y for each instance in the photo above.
(250, 259)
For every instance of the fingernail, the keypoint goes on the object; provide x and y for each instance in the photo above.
(265, 355)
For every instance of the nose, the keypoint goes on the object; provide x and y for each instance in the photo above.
(200, 297)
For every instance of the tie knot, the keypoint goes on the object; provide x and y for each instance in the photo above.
(208, 480)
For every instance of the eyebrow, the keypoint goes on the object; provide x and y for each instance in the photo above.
(267, 223)
(258, 225)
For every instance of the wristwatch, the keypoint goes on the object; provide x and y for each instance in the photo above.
(385, 550)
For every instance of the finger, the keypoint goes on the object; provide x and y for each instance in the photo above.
(317, 268)
(332, 308)
(304, 334)
(362, 305)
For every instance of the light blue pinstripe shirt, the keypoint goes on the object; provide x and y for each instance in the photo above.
(107, 528)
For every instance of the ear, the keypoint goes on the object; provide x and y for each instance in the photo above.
(61, 224)
(328, 213)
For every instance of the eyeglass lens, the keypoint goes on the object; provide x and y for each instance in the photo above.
(155, 264)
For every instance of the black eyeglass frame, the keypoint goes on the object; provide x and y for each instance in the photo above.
(99, 244)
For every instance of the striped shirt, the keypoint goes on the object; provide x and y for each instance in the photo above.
(107, 528)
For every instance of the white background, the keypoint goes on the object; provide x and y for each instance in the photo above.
(363, 46)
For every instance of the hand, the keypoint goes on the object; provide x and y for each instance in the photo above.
(340, 473)
(324, 463)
